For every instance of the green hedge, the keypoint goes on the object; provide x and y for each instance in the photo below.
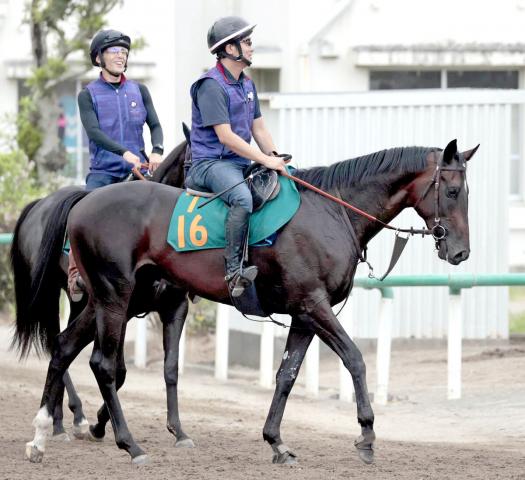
(18, 187)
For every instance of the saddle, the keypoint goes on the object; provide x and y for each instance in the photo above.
(262, 182)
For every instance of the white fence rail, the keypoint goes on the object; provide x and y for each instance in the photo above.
(319, 129)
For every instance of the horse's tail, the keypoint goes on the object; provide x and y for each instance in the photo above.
(42, 320)
(21, 272)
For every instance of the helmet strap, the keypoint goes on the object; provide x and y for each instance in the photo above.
(238, 58)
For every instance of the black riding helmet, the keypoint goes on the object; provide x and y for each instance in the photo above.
(105, 39)
(229, 30)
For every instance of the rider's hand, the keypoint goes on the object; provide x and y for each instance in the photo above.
(155, 160)
(132, 158)
(275, 163)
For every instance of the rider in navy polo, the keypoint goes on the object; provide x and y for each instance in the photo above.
(225, 116)
(113, 111)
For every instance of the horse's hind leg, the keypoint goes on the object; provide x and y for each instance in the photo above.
(328, 328)
(66, 347)
(173, 315)
(80, 423)
(58, 418)
(111, 324)
(98, 431)
(297, 343)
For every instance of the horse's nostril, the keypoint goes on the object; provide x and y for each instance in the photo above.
(461, 256)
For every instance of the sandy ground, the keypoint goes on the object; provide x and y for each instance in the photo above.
(420, 434)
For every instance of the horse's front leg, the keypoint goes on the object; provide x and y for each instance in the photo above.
(173, 309)
(331, 332)
(297, 343)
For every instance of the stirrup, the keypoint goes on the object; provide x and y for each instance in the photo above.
(238, 281)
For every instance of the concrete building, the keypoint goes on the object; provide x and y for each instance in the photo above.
(306, 46)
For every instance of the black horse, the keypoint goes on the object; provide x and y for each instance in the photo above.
(152, 296)
(309, 269)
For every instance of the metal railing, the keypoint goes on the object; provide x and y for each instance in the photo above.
(6, 238)
(455, 282)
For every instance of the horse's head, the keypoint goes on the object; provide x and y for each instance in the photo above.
(441, 198)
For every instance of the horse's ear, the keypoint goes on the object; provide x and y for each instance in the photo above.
(186, 131)
(450, 151)
(470, 153)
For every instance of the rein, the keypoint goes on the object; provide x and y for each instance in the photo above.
(411, 230)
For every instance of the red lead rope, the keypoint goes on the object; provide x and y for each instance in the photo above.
(335, 199)
(410, 230)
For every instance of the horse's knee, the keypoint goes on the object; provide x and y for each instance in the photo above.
(103, 369)
(355, 364)
(285, 380)
(171, 373)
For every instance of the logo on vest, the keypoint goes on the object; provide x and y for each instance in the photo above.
(133, 104)
(250, 96)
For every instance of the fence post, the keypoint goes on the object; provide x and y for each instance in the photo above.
(221, 342)
(384, 342)
(266, 355)
(312, 368)
(141, 342)
(455, 333)
(182, 349)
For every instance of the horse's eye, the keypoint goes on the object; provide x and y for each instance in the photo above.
(452, 192)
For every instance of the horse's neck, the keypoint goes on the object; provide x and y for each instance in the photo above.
(382, 198)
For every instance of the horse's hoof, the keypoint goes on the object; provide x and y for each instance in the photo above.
(283, 456)
(61, 437)
(367, 456)
(140, 460)
(365, 448)
(185, 443)
(92, 437)
(81, 430)
(33, 454)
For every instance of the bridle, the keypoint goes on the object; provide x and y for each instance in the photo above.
(439, 232)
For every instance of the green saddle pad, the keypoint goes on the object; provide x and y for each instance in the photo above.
(193, 228)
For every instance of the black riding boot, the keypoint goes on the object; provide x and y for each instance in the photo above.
(238, 278)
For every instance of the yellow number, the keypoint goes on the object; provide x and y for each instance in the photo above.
(196, 231)
(180, 231)
(192, 204)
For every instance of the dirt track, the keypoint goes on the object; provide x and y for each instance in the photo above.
(420, 434)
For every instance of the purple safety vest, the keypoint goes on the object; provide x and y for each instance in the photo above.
(241, 108)
(121, 115)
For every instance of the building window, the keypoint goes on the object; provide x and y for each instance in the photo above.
(399, 80)
(505, 79)
(482, 79)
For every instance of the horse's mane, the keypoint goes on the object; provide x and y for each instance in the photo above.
(400, 160)
(168, 162)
